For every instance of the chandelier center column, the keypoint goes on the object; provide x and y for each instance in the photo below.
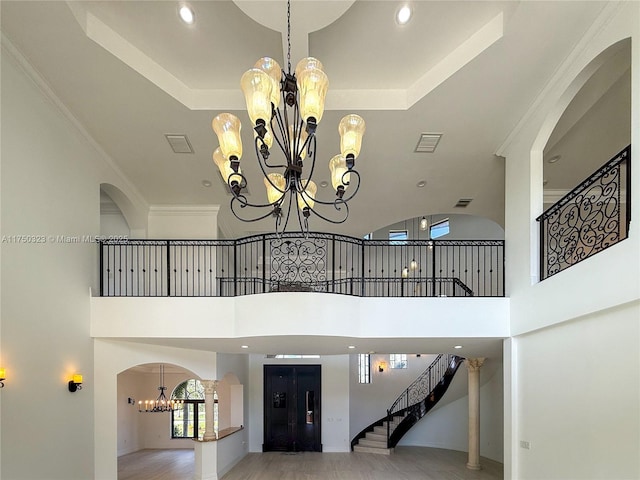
(209, 391)
(473, 366)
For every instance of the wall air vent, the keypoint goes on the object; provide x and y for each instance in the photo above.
(463, 202)
(428, 142)
(179, 143)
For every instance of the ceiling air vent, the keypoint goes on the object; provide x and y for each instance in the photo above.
(428, 142)
(179, 143)
(463, 202)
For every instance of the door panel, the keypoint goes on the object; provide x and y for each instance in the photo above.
(292, 408)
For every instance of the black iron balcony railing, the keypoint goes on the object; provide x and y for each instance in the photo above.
(319, 262)
(592, 217)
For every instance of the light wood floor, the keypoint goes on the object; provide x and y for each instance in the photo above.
(407, 463)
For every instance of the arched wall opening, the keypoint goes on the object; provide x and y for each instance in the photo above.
(594, 126)
(118, 213)
(141, 430)
(589, 125)
(112, 358)
(461, 227)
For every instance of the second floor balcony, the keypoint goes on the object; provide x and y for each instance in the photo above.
(318, 262)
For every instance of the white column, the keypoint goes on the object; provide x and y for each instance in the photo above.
(209, 390)
(473, 365)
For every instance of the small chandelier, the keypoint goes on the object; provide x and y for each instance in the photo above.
(293, 127)
(160, 404)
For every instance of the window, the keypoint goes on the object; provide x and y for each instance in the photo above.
(364, 368)
(368, 236)
(398, 360)
(439, 229)
(188, 420)
(398, 237)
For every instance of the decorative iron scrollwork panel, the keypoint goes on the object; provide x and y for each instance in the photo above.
(589, 219)
(298, 261)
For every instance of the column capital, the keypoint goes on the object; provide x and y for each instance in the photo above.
(209, 386)
(474, 364)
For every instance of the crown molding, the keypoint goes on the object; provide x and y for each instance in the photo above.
(184, 210)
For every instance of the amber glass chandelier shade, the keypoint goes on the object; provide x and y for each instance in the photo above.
(338, 168)
(308, 193)
(269, 66)
(351, 129)
(224, 165)
(309, 62)
(227, 127)
(256, 86)
(296, 146)
(274, 193)
(313, 84)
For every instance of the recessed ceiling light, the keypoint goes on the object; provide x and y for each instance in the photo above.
(421, 183)
(555, 158)
(351, 346)
(206, 183)
(458, 347)
(244, 346)
(403, 15)
(324, 184)
(186, 14)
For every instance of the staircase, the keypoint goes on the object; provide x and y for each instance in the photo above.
(375, 441)
(414, 403)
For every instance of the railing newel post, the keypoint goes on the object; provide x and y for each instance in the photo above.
(168, 243)
(235, 268)
(362, 249)
(264, 263)
(100, 246)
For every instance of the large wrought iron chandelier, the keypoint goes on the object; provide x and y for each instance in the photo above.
(286, 107)
(160, 404)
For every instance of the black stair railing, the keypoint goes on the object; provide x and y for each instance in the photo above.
(318, 262)
(590, 218)
(421, 396)
(416, 400)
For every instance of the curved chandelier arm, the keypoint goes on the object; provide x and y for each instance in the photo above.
(338, 204)
(353, 190)
(242, 200)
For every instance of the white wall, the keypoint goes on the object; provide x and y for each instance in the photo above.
(572, 388)
(578, 398)
(128, 416)
(447, 425)
(51, 176)
(234, 317)
(114, 224)
(232, 449)
(335, 399)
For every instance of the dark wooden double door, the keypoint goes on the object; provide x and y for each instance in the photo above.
(292, 408)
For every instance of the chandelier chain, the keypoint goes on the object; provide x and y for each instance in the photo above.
(289, 36)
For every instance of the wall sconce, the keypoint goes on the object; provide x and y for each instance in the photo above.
(382, 366)
(3, 376)
(75, 383)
